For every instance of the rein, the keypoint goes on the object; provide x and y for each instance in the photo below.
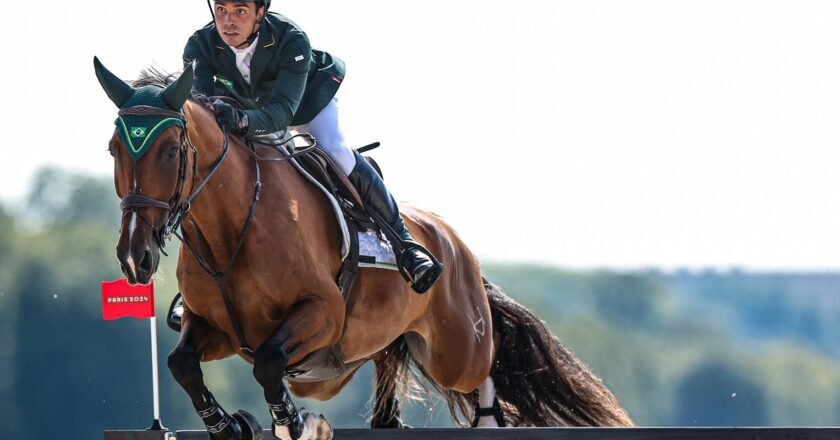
(177, 212)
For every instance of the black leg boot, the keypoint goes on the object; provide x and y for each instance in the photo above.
(422, 269)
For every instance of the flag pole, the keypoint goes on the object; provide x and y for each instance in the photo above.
(156, 425)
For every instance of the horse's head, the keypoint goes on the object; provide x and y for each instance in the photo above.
(151, 163)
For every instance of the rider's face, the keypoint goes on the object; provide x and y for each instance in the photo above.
(236, 21)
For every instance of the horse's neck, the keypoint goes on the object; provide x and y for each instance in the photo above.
(221, 209)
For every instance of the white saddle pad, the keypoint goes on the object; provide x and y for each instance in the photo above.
(374, 251)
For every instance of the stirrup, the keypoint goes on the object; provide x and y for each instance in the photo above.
(176, 310)
(495, 411)
(429, 277)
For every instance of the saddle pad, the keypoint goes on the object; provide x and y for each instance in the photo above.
(374, 251)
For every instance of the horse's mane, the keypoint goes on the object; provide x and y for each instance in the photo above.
(153, 76)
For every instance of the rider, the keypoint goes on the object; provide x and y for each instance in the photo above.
(265, 62)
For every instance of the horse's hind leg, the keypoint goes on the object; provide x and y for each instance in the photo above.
(199, 341)
(488, 412)
(386, 409)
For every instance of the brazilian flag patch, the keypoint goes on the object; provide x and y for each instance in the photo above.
(225, 82)
(138, 132)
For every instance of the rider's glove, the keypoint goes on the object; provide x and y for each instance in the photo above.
(229, 118)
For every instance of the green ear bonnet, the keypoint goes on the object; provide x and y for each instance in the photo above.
(138, 132)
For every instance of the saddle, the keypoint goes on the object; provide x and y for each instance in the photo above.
(328, 174)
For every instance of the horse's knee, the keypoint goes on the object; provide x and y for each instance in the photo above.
(185, 368)
(269, 365)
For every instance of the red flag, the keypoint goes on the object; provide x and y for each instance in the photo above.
(120, 299)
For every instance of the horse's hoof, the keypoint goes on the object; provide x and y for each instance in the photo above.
(317, 426)
(392, 423)
(251, 428)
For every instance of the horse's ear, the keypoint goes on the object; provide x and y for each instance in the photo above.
(176, 94)
(117, 89)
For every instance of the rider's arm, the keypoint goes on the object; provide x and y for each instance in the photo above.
(203, 72)
(292, 63)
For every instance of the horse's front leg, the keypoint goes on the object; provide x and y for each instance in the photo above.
(199, 341)
(306, 328)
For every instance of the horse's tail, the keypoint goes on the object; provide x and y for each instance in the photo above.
(540, 382)
(398, 374)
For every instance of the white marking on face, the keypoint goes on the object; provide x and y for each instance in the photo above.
(131, 265)
(132, 226)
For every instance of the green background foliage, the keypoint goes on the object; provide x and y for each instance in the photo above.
(687, 348)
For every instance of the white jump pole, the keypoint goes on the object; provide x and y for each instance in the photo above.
(156, 426)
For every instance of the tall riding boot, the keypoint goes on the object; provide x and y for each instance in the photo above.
(423, 269)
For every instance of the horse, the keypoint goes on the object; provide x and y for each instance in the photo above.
(493, 360)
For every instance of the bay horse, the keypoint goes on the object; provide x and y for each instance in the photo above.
(492, 359)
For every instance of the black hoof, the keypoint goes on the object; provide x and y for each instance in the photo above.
(251, 428)
(392, 423)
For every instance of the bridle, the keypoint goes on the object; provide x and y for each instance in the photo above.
(177, 211)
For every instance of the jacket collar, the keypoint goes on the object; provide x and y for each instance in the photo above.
(259, 61)
(262, 55)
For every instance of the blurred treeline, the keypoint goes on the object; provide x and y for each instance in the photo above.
(692, 348)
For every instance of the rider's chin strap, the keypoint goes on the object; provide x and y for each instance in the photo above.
(250, 39)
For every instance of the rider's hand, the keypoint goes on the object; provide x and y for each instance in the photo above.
(229, 118)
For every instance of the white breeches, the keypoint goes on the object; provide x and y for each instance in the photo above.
(327, 131)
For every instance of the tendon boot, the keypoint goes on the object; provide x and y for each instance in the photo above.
(418, 266)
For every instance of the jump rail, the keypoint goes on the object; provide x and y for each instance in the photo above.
(532, 434)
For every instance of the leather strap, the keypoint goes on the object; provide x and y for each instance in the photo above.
(495, 411)
(147, 110)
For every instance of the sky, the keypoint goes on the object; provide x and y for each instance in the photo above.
(582, 134)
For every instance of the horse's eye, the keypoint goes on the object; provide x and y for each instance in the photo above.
(111, 152)
(172, 152)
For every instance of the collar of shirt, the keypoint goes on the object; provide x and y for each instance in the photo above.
(243, 59)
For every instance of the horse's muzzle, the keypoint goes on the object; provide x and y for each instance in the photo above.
(137, 253)
(139, 266)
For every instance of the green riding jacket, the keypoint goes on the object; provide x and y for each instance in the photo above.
(290, 81)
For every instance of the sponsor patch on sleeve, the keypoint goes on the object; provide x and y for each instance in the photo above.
(299, 58)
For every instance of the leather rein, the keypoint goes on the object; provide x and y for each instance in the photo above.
(177, 211)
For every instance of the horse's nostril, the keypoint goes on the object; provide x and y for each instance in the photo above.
(146, 261)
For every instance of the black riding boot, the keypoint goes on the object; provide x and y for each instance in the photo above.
(422, 269)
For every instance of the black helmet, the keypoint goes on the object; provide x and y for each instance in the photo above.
(267, 3)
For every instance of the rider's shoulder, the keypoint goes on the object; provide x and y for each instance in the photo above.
(282, 26)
